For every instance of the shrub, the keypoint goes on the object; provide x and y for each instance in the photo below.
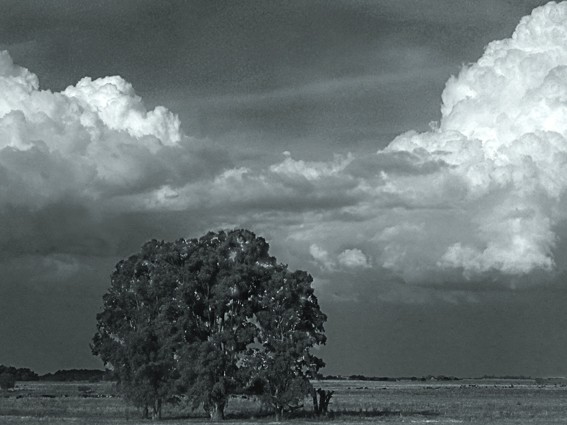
(7, 381)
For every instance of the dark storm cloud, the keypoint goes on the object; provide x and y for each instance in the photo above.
(396, 162)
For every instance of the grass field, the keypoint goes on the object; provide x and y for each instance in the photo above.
(354, 402)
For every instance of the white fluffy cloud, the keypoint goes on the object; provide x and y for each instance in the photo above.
(482, 192)
(92, 138)
(353, 258)
(76, 165)
(503, 136)
(348, 259)
(321, 256)
(113, 101)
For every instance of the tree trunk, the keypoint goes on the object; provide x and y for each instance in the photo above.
(279, 413)
(145, 412)
(217, 411)
(316, 408)
(324, 400)
(156, 414)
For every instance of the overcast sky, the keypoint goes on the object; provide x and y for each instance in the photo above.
(376, 144)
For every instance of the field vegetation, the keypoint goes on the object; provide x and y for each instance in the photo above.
(483, 401)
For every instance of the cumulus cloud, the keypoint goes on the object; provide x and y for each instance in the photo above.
(112, 100)
(502, 135)
(310, 170)
(353, 258)
(347, 259)
(94, 137)
(74, 163)
(321, 256)
(482, 192)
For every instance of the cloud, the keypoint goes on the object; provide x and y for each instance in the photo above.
(347, 259)
(482, 192)
(75, 163)
(353, 258)
(310, 170)
(503, 137)
(91, 138)
(114, 102)
(321, 256)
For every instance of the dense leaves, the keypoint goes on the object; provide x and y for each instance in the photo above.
(21, 374)
(7, 380)
(135, 327)
(69, 375)
(209, 318)
(289, 324)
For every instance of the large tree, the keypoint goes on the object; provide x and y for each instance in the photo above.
(290, 324)
(135, 327)
(224, 273)
(190, 315)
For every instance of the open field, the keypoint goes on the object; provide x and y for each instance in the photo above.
(465, 401)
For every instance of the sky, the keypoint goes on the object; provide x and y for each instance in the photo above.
(411, 155)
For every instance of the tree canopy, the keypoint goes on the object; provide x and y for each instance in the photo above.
(7, 380)
(207, 318)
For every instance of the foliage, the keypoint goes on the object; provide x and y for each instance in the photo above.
(69, 375)
(290, 323)
(134, 329)
(226, 273)
(195, 315)
(21, 374)
(7, 380)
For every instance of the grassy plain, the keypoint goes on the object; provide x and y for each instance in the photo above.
(355, 402)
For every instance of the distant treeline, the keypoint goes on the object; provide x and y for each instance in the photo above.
(389, 379)
(21, 374)
(506, 377)
(415, 378)
(91, 375)
(26, 374)
(95, 375)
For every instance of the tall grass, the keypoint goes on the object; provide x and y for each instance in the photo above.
(473, 402)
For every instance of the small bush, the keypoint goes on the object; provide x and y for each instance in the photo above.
(7, 381)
